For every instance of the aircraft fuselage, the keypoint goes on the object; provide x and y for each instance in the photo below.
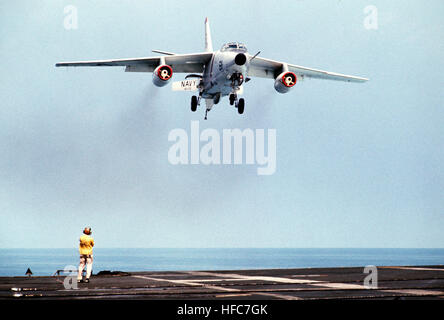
(224, 74)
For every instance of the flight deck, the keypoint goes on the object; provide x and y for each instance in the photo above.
(392, 282)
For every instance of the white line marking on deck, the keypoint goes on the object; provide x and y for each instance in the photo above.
(221, 277)
(233, 295)
(194, 282)
(413, 268)
(262, 278)
(280, 296)
(416, 292)
(186, 282)
(340, 286)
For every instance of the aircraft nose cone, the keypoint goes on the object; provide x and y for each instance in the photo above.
(240, 59)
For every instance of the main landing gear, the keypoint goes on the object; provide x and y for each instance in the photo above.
(194, 103)
(240, 104)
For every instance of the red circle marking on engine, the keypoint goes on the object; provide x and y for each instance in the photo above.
(285, 83)
(170, 73)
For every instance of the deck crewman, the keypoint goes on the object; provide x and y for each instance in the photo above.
(86, 254)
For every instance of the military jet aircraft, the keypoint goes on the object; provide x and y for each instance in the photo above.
(215, 74)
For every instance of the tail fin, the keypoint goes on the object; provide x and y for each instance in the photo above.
(208, 42)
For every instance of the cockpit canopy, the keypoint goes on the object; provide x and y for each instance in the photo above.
(234, 46)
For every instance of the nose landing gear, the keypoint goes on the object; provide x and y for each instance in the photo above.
(237, 79)
(233, 98)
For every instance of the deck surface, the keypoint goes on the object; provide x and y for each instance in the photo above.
(425, 282)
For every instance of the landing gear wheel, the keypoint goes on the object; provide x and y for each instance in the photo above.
(241, 106)
(193, 103)
(232, 99)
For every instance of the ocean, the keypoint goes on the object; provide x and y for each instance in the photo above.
(45, 262)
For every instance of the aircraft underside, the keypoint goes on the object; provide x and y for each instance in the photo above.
(213, 91)
(239, 103)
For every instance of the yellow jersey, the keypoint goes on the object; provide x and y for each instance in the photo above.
(86, 245)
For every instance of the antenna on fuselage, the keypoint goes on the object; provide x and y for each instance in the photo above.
(163, 52)
(255, 55)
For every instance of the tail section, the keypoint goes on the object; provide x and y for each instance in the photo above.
(208, 42)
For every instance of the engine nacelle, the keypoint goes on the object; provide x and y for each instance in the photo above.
(162, 75)
(285, 81)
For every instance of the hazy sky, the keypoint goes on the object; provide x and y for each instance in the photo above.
(358, 165)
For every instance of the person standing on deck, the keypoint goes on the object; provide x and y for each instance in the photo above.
(86, 256)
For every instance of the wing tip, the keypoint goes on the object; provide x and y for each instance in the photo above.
(356, 79)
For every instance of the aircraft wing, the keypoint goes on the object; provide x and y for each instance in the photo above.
(193, 62)
(266, 68)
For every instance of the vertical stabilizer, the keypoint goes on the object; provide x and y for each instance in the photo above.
(208, 42)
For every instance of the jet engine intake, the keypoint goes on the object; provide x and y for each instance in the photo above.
(285, 81)
(162, 75)
(240, 59)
